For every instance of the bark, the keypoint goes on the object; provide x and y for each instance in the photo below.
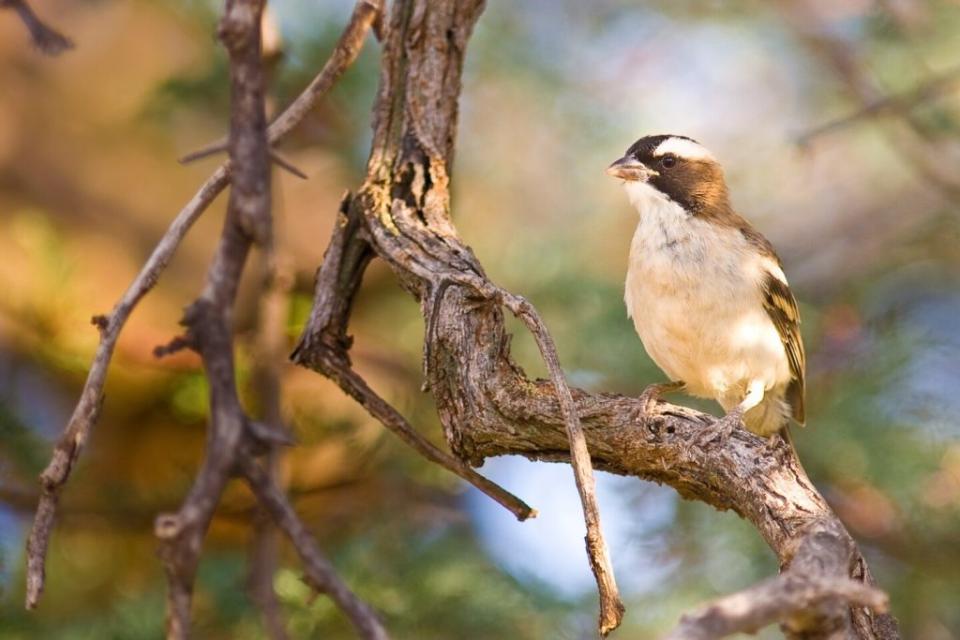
(486, 403)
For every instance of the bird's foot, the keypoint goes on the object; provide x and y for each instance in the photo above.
(721, 429)
(774, 444)
(649, 396)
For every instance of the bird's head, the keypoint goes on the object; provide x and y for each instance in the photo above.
(672, 168)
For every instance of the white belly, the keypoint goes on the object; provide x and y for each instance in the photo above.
(693, 291)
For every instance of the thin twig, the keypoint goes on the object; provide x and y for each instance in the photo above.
(74, 437)
(46, 38)
(320, 573)
(357, 388)
(77, 431)
(344, 53)
(286, 165)
(337, 282)
(212, 149)
(611, 606)
(906, 134)
(221, 145)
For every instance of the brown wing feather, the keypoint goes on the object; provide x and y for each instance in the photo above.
(782, 308)
(780, 304)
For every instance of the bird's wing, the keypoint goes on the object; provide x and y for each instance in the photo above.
(782, 308)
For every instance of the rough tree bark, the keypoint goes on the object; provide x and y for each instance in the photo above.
(487, 405)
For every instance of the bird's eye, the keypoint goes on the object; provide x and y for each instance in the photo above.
(668, 161)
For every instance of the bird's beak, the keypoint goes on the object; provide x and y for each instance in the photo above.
(630, 169)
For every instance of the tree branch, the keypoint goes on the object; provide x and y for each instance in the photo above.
(320, 573)
(270, 348)
(338, 280)
(810, 596)
(487, 405)
(232, 439)
(46, 38)
(77, 431)
(208, 319)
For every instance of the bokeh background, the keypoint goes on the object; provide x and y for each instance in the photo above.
(866, 215)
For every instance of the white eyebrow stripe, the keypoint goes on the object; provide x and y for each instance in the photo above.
(683, 148)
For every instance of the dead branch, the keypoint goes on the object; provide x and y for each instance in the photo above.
(46, 38)
(808, 585)
(208, 319)
(77, 431)
(487, 405)
(232, 443)
(75, 434)
(351, 257)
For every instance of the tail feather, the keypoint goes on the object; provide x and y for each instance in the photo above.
(768, 417)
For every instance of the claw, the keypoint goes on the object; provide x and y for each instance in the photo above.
(651, 394)
(722, 428)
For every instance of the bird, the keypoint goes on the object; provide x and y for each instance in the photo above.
(707, 292)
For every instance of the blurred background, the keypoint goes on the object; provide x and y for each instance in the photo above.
(865, 212)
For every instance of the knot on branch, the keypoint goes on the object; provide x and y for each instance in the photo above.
(205, 327)
(167, 526)
(102, 323)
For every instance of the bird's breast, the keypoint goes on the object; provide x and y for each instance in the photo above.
(693, 293)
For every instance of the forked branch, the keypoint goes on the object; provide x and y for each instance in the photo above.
(77, 431)
(487, 405)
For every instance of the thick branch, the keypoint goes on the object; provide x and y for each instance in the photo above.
(487, 406)
(815, 582)
(338, 281)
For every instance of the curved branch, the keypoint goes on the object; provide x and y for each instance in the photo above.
(487, 405)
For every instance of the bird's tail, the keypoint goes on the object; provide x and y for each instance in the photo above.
(768, 417)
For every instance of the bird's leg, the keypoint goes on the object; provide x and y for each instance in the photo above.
(725, 426)
(653, 392)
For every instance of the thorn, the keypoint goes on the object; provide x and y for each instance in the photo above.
(205, 152)
(101, 322)
(223, 144)
(283, 163)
